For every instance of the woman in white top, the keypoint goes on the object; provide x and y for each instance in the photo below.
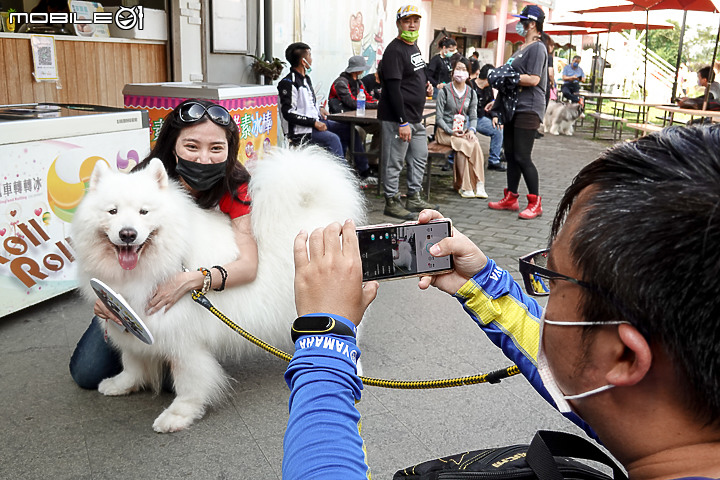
(456, 113)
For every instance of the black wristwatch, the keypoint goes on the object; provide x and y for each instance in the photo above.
(319, 325)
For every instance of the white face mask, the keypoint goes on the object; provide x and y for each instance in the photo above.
(460, 76)
(560, 399)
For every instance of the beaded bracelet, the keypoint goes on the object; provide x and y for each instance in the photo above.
(223, 274)
(207, 280)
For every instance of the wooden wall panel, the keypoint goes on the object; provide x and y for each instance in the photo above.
(90, 72)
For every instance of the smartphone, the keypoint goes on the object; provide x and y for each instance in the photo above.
(398, 251)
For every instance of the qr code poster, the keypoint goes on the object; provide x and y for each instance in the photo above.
(44, 58)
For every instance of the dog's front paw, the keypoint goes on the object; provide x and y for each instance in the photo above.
(120, 384)
(176, 418)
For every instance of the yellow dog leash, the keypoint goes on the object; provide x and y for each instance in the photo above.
(491, 377)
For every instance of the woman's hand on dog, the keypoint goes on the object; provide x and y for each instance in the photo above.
(105, 313)
(171, 291)
(328, 273)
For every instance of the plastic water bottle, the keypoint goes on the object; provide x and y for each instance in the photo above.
(361, 103)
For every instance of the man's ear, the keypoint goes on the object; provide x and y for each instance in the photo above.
(634, 362)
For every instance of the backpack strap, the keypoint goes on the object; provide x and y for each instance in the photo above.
(546, 444)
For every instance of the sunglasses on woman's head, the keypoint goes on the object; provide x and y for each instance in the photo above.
(193, 111)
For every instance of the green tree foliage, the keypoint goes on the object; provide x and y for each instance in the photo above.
(698, 44)
(665, 43)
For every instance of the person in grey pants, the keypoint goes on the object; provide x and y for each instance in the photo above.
(405, 86)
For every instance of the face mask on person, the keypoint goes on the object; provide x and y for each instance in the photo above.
(409, 36)
(460, 76)
(520, 29)
(560, 399)
(449, 54)
(308, 68)
(575, 64)
(200, 176)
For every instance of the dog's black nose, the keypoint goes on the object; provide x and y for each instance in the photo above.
(128, 235)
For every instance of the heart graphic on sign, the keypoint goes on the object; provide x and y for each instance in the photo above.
(38, 211)
(13, 213)
(2, 232)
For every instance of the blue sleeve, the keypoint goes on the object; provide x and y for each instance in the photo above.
(511, 320)
(322, 439)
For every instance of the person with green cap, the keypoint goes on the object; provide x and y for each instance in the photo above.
(404, 141)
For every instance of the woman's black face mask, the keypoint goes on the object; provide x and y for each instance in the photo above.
(200, 176)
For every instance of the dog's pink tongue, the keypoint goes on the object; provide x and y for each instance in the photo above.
(128, 258)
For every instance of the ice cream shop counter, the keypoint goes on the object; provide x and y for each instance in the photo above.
(47, 153)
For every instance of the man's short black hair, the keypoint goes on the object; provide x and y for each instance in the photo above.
(295, 52)
(648, 238)
(485, 71)
(576, 56)
(704, 72)
(447, 42)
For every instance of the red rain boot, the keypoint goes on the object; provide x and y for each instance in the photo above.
(509, 202)
(534, 208)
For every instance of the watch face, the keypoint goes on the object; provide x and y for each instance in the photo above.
(320, 325)
(313, 324)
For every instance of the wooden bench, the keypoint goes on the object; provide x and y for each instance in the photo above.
(645, 128)
(615, 121)
(435, 150)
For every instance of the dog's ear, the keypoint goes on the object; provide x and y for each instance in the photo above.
(100, 169)
(157, 170)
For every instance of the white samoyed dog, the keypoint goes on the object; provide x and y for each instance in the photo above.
(150, 217)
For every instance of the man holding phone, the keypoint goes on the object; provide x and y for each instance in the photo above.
(572, 75)
(628, 347)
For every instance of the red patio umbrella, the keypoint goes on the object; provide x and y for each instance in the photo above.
(550, 29)
(647, 5)
(642, 5)
(612, 23)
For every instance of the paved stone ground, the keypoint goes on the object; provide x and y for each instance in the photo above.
(53, 429)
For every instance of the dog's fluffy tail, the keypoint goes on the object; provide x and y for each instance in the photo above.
(304, 188)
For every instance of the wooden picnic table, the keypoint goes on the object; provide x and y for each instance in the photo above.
(714, 115)
(641, 124)
(369, 118)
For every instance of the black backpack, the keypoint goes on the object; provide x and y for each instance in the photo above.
(548, 457)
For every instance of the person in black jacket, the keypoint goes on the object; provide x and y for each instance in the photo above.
(371, 81)
(439, 67)
(302, 120)
(484, 126)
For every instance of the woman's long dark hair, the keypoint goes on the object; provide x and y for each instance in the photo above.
(235, 173)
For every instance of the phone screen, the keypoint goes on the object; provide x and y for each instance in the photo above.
(395, 251)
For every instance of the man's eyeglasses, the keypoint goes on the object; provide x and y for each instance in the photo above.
(537, 277)
(192, 112)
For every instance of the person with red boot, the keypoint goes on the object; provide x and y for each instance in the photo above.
(531, 62)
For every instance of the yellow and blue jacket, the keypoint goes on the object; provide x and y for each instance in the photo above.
(322, 439)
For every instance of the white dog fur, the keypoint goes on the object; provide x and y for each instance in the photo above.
(290, 190)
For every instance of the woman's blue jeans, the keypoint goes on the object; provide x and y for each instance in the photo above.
(94, 359)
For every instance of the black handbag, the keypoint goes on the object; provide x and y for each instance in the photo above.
(550, 456)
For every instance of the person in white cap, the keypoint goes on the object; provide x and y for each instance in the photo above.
(405, 87)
